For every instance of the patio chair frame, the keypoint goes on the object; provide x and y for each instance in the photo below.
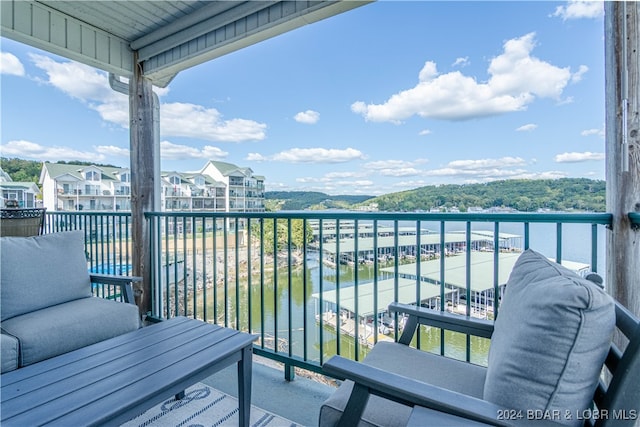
(618, 395)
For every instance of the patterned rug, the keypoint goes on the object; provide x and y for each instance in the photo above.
(204, 406)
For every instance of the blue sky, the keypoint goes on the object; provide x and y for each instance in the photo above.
(387, 97)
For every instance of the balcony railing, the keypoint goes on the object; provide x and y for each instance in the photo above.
(315, 284)
(107, 237)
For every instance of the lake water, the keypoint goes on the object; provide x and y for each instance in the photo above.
(283, 304)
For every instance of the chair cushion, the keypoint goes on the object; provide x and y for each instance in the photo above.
(401, 359)
(66, 327)
(9, 353)
(42, 271)
(552, 334)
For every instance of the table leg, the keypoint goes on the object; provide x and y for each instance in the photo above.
(244, 386)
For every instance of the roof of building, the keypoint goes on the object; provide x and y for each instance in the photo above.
(386, 295)
(366, 243)
(188, 178)
(58, 169)
(4, 177)
(226, 168)
(481, 272)
(25, 186)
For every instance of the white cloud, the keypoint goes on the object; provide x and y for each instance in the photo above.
(487, 163)
(196, 121)
(115, 110)
(390, 164)
(461, 62)
(396, 168)
(517, 79)
(311, 155)
(541, 175)
(77, 80)
(590, 132)
(256, 157)
(91, 86)
(343, 175)
(425, 132)
(112, 150)
(171, 151)
(577, 76)
(309, 117)
(577, 9)
(481, 170)
(578, 157)
(32, 150)
(10, 64)
(410, 184)
(527, 128)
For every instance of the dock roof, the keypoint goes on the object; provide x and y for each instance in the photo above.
(406, 294)
(481, 272)
(366, 243)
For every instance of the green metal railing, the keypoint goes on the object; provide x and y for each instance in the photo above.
(293, 277)
(107, 237)
(258, 272)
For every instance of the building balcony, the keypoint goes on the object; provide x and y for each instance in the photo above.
(323, 295)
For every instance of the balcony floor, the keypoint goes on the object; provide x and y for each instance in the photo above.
(271, 392)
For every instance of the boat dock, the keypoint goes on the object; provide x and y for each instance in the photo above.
(365, 332)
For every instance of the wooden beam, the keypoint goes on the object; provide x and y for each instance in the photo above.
(142, 182)
(622, 88)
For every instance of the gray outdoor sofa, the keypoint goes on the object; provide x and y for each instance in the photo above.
(47, 305)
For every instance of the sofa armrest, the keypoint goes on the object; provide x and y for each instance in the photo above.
(371, 380)
(439, 319)
(124, 282)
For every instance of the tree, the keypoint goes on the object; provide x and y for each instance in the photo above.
(299, 234)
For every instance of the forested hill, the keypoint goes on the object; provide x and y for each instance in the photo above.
(297, 200)
(523, 195)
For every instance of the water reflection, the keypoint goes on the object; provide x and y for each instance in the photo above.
(281, 310)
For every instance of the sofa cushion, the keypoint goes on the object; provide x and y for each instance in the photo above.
(401, 359)
(66, 327)
(9, 353)
(41, 271)
(552, 334)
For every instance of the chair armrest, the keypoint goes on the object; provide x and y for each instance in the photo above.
(371, 380)
(439, 319)
(124, 282)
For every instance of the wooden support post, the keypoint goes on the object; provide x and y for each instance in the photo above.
(622, 84)
(142, 181)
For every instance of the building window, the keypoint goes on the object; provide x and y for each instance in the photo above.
(175, 180)
(92, 176)
(199, 180)
(125, 177)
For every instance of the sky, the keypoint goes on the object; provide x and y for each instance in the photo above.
(387, 97)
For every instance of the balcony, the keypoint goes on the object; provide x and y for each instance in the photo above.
(315, 284)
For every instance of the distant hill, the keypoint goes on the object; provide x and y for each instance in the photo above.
(299, 200)
(564, 194)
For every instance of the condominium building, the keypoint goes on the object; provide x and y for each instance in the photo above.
(219, 186)
(24, 193)
(244, 191)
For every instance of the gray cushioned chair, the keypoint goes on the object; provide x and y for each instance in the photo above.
(549, 343)
(46, 303)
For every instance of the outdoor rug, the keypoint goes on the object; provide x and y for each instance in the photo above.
(204, 406)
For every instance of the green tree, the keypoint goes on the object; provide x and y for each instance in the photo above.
(299, 234)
